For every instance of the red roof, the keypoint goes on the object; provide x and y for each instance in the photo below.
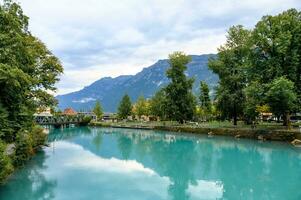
(69, 111)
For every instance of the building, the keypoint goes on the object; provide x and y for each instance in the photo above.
(46, 112)
(69, 112)
(265, 116)
(109, 117)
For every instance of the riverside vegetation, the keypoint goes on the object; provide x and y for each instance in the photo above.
(27, 70)
(259, 72)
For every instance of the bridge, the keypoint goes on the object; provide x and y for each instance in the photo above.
(62, 120)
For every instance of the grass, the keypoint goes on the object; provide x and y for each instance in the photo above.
(211, 124)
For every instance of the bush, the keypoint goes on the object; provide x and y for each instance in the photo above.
(23, 148)
(6, 167)
(86, 120)
(38, 137)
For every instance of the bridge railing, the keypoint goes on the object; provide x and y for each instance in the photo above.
(60, 119)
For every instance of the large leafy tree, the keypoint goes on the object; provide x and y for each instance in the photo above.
(125, 107)
(276, 49)
(180, 100)
(230, 65)
(281, 98)
(28, 70)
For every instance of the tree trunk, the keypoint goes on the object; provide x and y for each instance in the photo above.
(278, 119)
(235, 120)
(286, 120)
(234, 115)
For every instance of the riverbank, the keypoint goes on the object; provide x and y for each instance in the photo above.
(16, 153)
(272, 132)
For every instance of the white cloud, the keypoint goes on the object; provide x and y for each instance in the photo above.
(97, 38)
(75, 159)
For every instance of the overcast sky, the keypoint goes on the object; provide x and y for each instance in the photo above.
(98, 38)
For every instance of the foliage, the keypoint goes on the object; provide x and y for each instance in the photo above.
(98, 110)
(27, 68)
(158, 104)
(28, 73)
(86, 120)
(6, 132)
(125, 107)
(281, 97)
(200, 113)
(230, 65)
(204, 97)
(254, 94)
(263, 108)
(5, 163)
(24, 148)
(141, 107)
(277, 48)
(38, 136)
(180, 102)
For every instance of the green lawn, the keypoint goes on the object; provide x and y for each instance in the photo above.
(211, 124)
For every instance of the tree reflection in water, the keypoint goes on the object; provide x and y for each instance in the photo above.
(180, 166)
(30, 182)
(235, 167)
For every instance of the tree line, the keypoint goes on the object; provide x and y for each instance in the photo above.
(259, 71)
(175, 101)
(260, 68)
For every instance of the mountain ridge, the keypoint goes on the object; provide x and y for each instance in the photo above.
(109, 90)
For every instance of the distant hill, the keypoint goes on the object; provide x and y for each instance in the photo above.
(109, 90)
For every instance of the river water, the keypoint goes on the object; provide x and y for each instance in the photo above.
(124, 164)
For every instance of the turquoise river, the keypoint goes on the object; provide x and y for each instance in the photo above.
(125, 164)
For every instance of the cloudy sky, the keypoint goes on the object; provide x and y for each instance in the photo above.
(98, 38)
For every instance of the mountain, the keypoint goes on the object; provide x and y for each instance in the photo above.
(109, 90)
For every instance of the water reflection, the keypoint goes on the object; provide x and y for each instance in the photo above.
(30, 182)
(93, 163)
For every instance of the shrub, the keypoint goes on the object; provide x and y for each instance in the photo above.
(6, 166)
(38, 137)
(86, 120)
(23, 148)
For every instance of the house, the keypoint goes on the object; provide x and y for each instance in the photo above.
(46, 112)
(69, 112)
(265, 116)
(109, 117)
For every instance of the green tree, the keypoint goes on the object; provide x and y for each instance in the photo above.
(98, 110)
(254, 94)
(158, 104)
(276, 49)
(141, 107)
(180, 100)
(125, 107)
(281, 98)
(204, 96)
(231, 65)
(28, 70)
(28, 73)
